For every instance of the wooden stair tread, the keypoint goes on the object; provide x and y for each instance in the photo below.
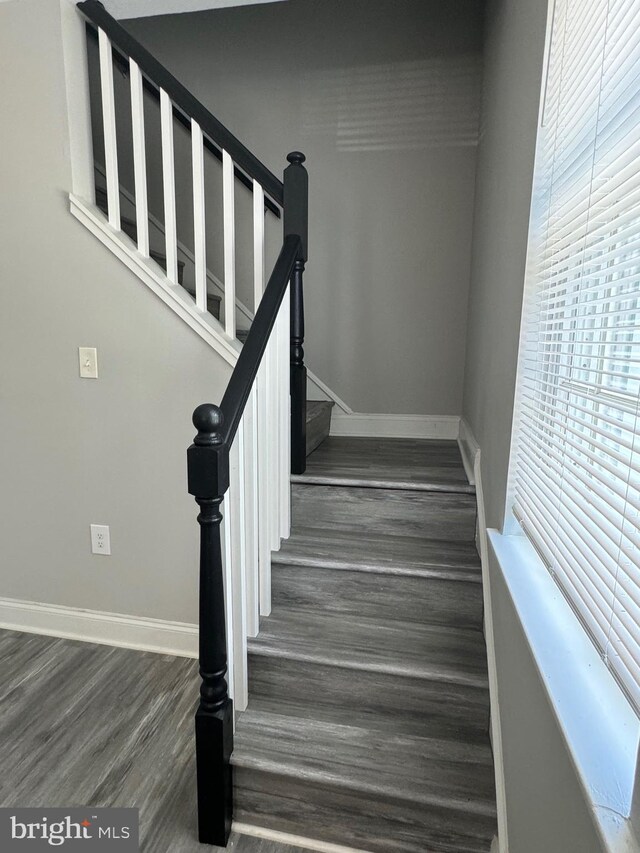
(211, 297)
(428, 652)
(380, 483)
(397, 463)
(379, 553)
(392, 463)
(421, 770)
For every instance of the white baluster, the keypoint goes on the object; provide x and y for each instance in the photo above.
(264, 490)
(273, 423)
(228, 209)
(139, 158)
(264, 479)
(169, 187)
(226, 509)
(236, 505)
(251, 487)
(109, 125)
(199, 232)
(285, 404)
(258, 244)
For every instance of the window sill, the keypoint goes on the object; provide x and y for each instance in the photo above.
(581, 690)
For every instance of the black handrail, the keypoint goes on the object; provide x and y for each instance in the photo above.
(208, 479)
(182, 99)
(244, 373)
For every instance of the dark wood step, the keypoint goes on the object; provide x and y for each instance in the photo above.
(395, 512)
(376, 790)
(391, 463)
(361, 670)
(386, 554)
(424, 652)
(382, 576)
(368, 823)
(376, 595)
(394, 487)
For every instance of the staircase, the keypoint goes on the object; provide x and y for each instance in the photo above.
(341, 604)
(318, 417)
(368, 700)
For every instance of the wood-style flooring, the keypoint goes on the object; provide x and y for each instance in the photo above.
(91, 725)
(405, 463)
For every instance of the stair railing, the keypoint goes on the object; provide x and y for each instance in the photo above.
(246, 447)
(209, 477)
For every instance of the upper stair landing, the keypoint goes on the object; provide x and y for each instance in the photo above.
(388, 463)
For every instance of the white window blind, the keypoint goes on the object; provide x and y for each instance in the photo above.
(575, 475)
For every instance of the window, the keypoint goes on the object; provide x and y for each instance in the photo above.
(575, 471)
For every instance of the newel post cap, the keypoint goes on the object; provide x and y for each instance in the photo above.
(208, 420)
(296, 157)
(208, 456)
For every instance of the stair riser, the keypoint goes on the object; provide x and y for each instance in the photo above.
(356, 819)
(388, 511)
(318, 429)
(413, 706)
(352, 593)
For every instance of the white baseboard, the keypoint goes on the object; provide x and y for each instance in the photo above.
(501, 841)
(91, 626)
(395, 426)
(468, 449)
(293, 840)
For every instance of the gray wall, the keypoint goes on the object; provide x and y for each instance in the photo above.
(77, 451)
(546, 806)
(512, 75)
(383, 98)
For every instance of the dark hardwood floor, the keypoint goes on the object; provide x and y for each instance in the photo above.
(91, 725)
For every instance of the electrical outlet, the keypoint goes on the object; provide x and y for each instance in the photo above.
(100, 539)
(88, 357)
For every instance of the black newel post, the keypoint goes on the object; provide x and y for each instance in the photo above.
(296, 221)
(208, 475)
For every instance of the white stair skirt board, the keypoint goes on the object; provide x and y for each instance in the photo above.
(395, 426)
(468, 450)
(184, 253)
(92, 626)
(94, 220)
(293, 840)
(320, 391)
(500, 842)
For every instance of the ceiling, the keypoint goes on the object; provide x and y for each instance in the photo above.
(146, 8)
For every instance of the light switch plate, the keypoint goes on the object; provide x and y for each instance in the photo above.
(88, 357)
